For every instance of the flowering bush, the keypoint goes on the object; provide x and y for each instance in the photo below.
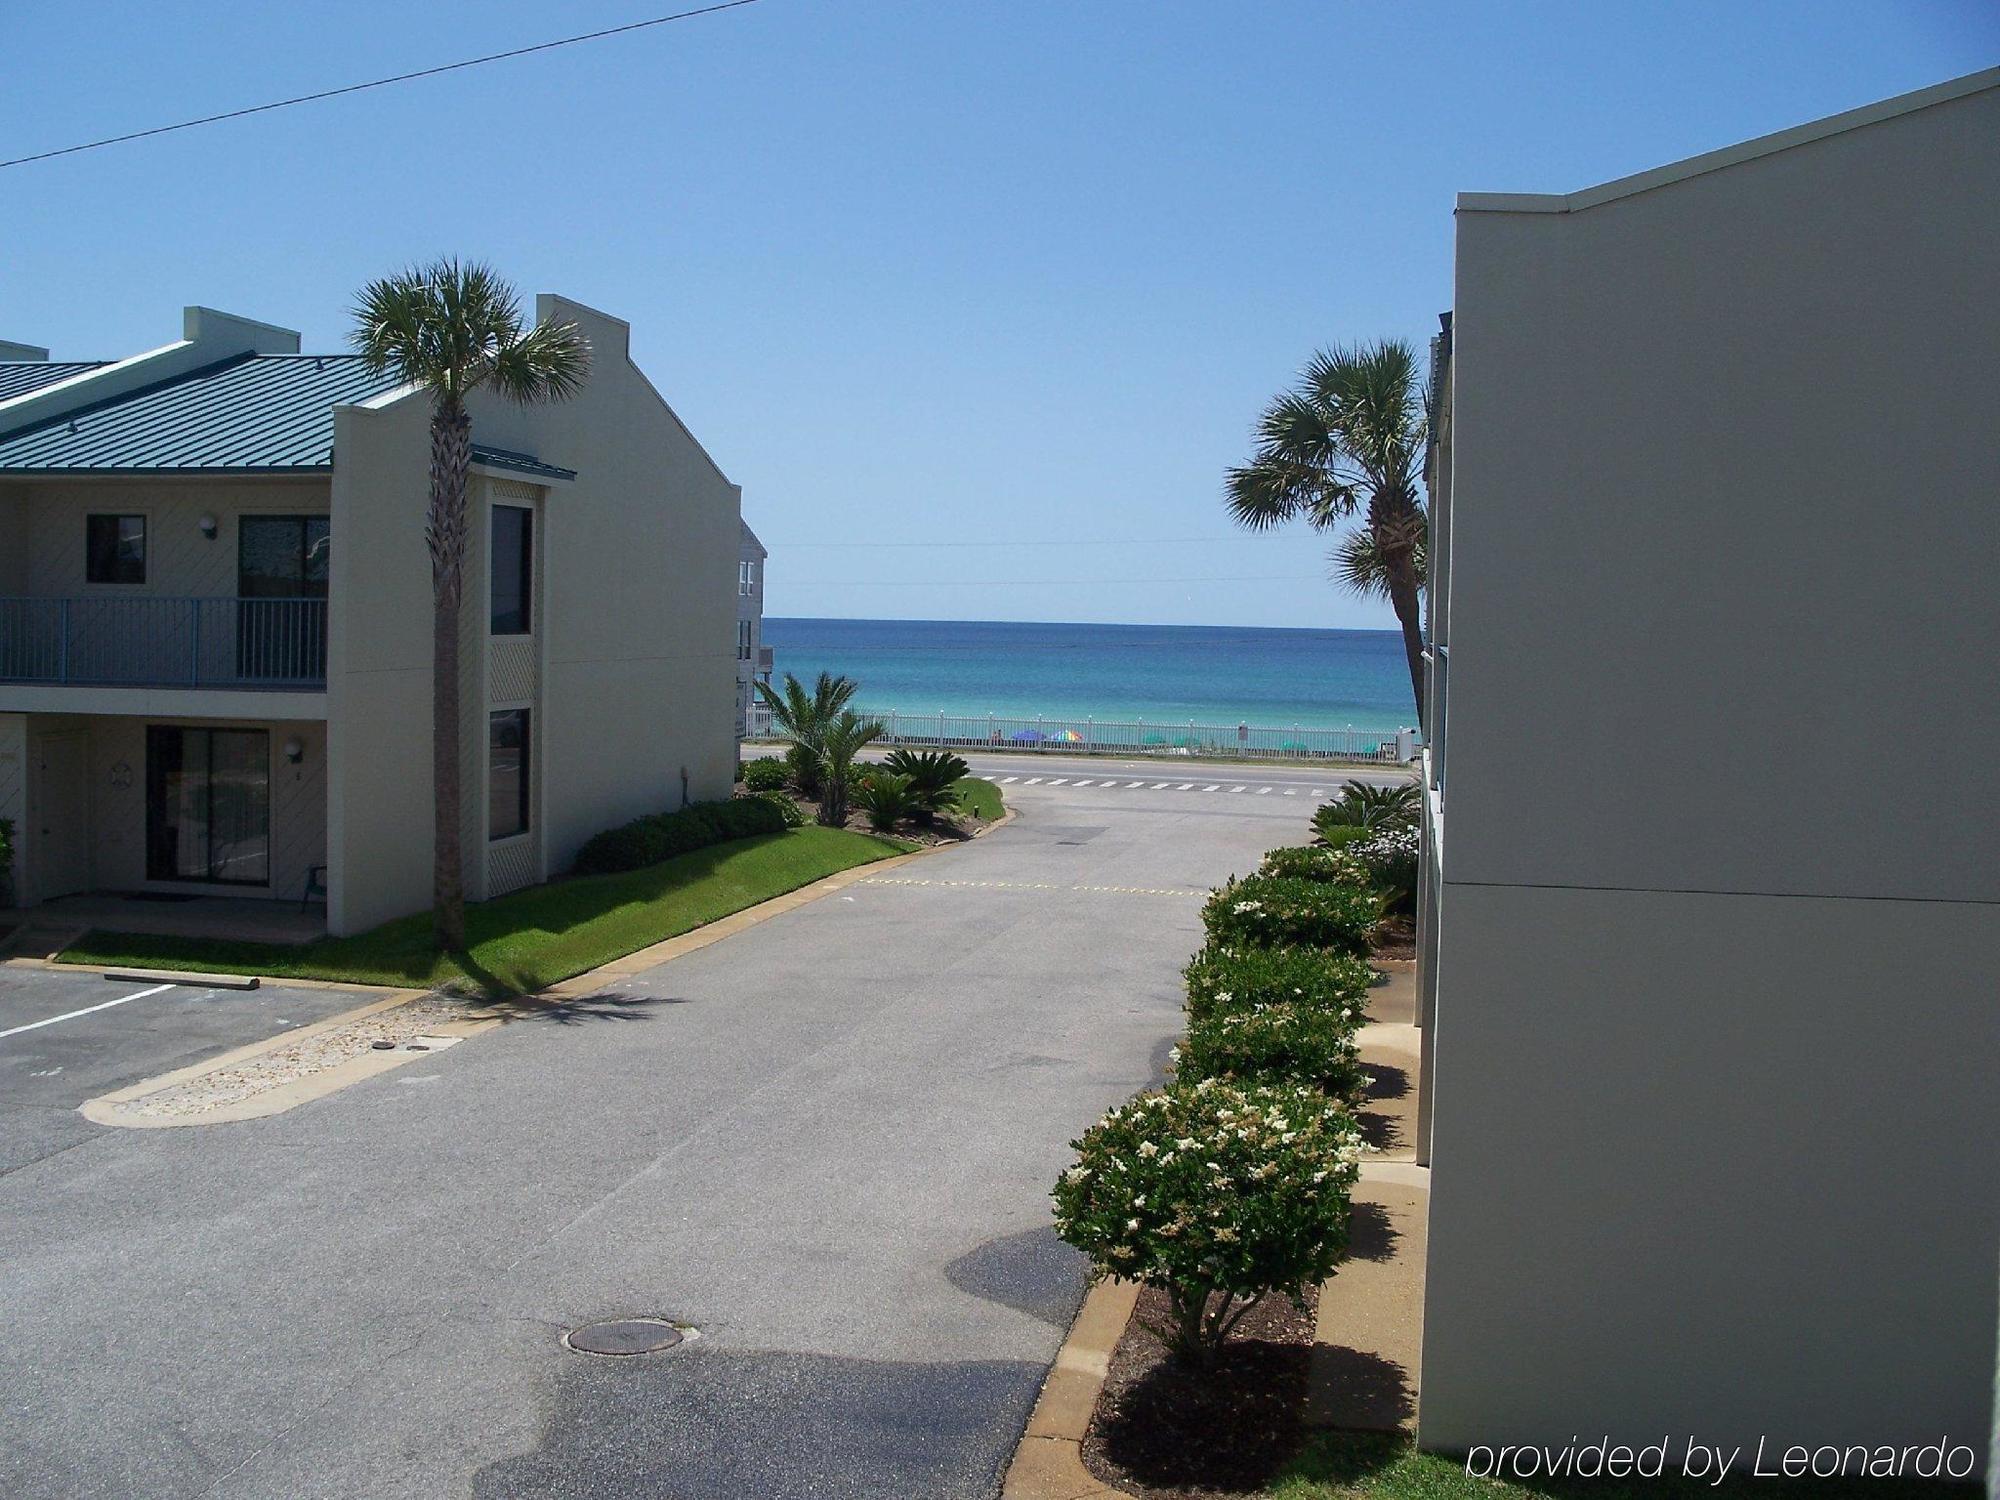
(1220, 1194)
(1275, 1044)
(1222, 980)
(790, 811)
(1268, 910)
(1390, 857)
(1315, 863)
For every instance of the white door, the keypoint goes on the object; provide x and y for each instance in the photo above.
(62, 815)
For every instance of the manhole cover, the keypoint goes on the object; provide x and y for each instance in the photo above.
(624, 1336)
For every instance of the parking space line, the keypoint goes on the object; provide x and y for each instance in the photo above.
(88, 1009)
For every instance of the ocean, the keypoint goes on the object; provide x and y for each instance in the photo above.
(1322, 679)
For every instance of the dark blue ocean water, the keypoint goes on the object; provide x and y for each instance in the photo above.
(1327, 679)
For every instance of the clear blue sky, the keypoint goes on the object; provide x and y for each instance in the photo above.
(913, 270)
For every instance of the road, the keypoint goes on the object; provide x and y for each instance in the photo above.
(826, 1143)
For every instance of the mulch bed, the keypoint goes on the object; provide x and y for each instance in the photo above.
(1395, 937)
(1166, 1431)
(946, 830)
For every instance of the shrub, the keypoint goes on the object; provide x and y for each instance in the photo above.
(1337, 835)
(766, 774)
(932, 776)
(802, 766)
(884, 797)
(651, 840)
(1389, 855)
(1264, 910)
(840, 740)
(1225, 980)
(1217, 1193)
(1300, 1044)
(790, 811)
(1363, 806)
(1312, 862)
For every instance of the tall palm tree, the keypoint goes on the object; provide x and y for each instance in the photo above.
(803, 717)
(453, 327)
(1348, 437)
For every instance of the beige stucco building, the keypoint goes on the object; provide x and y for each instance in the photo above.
(215, 609)
(1711, 924)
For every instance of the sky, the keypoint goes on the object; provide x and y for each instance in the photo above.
(976, 302)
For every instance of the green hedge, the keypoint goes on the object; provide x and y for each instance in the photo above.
(1269, 911)
(655, 839)
(1275, 1044)
(1226, 980)
(1315, 862)
(766, 774)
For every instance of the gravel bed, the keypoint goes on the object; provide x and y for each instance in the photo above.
(400, 1024)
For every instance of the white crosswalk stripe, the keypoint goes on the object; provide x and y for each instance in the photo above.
(1102, 784)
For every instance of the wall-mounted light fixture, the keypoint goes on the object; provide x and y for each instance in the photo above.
(295, 749)
(207, 525)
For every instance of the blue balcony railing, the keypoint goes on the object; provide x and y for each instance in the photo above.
(151, 641)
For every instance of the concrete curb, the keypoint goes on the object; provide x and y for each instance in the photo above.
(1048, 1464)
(107, 1109)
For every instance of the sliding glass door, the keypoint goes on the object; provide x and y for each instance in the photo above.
(208, 805)
(282, 565)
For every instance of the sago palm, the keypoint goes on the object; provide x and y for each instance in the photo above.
(451, 328)
(840, 741)
(1348, 438)
(802, 717)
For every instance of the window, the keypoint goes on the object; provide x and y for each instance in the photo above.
(208, 805)
(513, 569)
(507, 773)
(743, 640)
(115, 549)
(742, 577)
(282, 567)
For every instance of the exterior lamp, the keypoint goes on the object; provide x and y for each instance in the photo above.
(295, 749)
(207, 525)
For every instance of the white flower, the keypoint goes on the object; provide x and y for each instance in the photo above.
(1076, 1173)
(1132, 1224)
(1147, 1148)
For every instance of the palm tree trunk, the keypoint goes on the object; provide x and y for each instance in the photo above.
(1404, 599)
(444, 534)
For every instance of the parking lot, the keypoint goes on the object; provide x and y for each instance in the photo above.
(67, 1037)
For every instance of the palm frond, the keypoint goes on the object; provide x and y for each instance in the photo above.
(454, 325)
(1358, 564)
(549, 362)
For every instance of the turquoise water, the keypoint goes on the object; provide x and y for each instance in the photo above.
(1326, 679)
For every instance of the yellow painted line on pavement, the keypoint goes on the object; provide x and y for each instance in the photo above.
(1039, 885)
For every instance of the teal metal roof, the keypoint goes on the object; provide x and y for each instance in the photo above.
(20, 376)
(255, 413)
(519, 463)
(269, 413)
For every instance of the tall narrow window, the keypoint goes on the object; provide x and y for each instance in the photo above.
(282, 567)
(743, 640)
(208, 805)
(115, 549)
(507, 773)
(513, 569)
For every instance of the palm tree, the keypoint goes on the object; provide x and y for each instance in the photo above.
(803, 718)
(1349, 436)
(453, 327)
(840, 741)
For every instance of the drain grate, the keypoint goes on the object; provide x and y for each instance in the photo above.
(621, 1336)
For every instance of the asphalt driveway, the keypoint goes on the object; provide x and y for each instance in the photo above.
(68, 1037)
(826, 1143)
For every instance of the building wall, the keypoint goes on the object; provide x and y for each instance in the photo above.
(635, 628)
(180, 561)
(1712, 1115)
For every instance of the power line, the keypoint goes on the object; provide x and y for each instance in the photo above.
(377, 83)
(1109, 541)
(1012, 583)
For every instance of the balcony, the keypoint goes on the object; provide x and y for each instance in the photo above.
(764, 661)
(154, 642)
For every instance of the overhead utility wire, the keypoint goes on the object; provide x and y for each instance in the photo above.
(377, 83)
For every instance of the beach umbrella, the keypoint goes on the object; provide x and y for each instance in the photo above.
(1026, 736)
(1068, 737)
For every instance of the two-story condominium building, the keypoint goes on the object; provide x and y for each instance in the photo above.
(1711, 923)
(215, 639)
(753, 657)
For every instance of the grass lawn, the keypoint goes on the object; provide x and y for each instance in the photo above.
(979, 798)
(531, 938)
(1356, 1467)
